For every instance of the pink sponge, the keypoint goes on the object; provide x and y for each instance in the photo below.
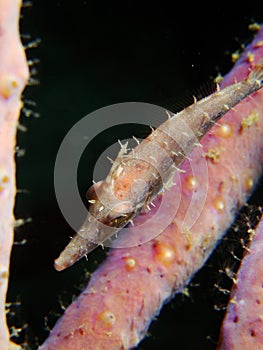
(243, 325)
(13, 77)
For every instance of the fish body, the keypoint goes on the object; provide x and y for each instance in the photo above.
(137, 176)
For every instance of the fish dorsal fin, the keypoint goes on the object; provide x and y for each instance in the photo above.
(178, 103)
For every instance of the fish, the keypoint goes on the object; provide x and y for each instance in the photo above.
(138, 175)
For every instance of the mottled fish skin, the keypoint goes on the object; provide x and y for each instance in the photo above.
(134, 180)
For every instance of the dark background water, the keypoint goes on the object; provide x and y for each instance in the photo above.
(93, 54)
